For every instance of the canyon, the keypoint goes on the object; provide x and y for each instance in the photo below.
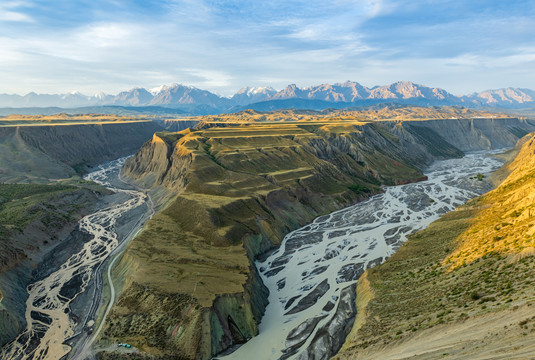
(235, 203)
(226, 191)
(479, 262)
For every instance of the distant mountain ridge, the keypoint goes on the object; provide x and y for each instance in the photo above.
(324, 95)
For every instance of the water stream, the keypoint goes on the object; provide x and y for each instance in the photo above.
(312, 276)
(49, 322)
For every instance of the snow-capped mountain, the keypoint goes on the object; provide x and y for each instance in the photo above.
(178, 94)
(503, 97)
(191, 98)
(133, 97)
(249, 95)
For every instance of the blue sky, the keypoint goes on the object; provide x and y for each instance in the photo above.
(57, 46)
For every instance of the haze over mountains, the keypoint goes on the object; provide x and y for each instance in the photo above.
(345, 94)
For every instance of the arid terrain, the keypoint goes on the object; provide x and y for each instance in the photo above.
(227, 191)
(241, 187)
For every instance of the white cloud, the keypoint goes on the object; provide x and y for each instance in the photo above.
(6, 15)
(9, 13)
(106, 35)
(219, 49)
(210, 78)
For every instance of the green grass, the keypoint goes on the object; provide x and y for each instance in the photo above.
(21, 204)
(414, 291)
(475, 260)
(9, 192)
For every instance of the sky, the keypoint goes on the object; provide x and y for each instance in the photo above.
(462, 46)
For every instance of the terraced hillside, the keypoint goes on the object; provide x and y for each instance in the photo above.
(241, 189)
(461, 289)
(189, 289)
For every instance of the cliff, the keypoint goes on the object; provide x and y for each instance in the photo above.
(39, 153)
(175, 125)
(468, 275)
(235, 192)
(479, 133)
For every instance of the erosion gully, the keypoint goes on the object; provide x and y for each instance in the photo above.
(50, 323)
(312, 276)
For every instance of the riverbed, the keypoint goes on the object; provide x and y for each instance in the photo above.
(312, 276)
(55, 297)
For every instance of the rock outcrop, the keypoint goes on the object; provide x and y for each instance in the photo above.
(478, 134)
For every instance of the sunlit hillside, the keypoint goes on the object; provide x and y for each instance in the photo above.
(469, 274)
(378, 112)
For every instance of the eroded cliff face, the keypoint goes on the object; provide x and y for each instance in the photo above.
(236, 191)
(94, 144)
(175, 125)
(478, 134)
(160, 165)
(39, 153)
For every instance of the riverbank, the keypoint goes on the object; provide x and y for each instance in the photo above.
(66, 289)
(471, 295)
(312, 276)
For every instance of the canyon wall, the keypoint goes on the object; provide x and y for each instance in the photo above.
(39, 153)
(232, 193)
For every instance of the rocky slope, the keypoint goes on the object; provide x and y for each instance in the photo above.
(476, 134)
(38, 153)
(469, 275)
(240, 190)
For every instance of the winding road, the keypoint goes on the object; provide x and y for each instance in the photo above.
(48, 308)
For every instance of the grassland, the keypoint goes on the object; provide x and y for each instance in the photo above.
(32, 215)
(463, 271)
(66, 119)
(369, 113)
(20, 203)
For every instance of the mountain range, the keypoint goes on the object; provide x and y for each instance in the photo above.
(349, 93)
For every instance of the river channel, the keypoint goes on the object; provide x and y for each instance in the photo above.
(49, 318)
(312, 275)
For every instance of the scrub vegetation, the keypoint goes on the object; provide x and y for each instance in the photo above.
(474, 261)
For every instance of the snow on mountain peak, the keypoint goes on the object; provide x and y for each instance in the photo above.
(260, 90)
(100, 95)
(256, 90)
(157, 90)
